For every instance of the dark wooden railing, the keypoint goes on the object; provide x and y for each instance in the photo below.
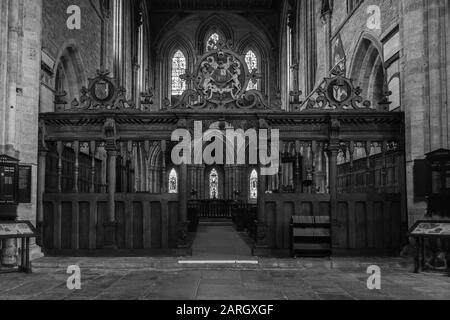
(212, 209)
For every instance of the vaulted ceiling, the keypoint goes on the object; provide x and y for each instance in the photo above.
(214, 5)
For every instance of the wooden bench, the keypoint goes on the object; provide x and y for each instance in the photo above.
(310, 236)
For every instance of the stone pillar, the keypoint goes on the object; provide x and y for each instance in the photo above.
(12, 73)
(326, 20)
(40, 192)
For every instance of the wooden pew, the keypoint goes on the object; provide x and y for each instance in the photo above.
(310, 236)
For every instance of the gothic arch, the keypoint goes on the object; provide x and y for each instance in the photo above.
(212, 23)
(258, 45)
(255, 42)
(166, 51)
(69, 71)
(367, 67)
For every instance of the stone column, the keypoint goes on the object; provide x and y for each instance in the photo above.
(40, 192)
(326, 20)
(12, 73)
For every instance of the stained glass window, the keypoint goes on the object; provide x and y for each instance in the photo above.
(254, 185)
(173, 181)
(214, 184)
(252, 64)
(213, 41)
(178, 69)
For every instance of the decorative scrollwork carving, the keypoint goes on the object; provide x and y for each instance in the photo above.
(102, 94)
(219, 81)
(336, 94)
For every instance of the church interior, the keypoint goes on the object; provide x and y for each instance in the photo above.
(93, 93)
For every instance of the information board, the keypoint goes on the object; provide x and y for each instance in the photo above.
(20, 229)
(431, 228)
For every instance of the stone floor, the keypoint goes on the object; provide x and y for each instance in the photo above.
(324, 284)
(256, 279)
(219, 241)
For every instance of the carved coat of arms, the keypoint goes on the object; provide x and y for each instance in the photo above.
(221, 77)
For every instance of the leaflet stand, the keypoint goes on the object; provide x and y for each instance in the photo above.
(24, 231)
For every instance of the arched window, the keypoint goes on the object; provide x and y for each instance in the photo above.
(214, 184)
(252, 63)
(213, 41)
(173, 181)
(178, 68)
(254, 185)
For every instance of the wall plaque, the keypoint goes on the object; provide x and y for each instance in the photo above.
(24, 193)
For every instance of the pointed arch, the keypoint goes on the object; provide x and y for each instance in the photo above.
(69, 71)
(166, 51)
(259, 46)
(173, 181)
(178, 68)
(253, 185)
(214, 23)
(214, 179)
(367, 67)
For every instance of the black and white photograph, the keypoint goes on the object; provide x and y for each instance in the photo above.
(229, 158)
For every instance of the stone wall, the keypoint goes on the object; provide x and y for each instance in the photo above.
(56, 37)
(165, 27)
(20, 25)
(424, 68)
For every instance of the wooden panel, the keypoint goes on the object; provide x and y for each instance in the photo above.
(173, 209)
(311, 246)
(360, 225)
(147, 225)
(378, 224)
(84, 225)
(340, 230)
(66, 225)
(306, 209)
(49, 225)
(324, 209)
(155, 209)
(102, 218)
(387, 243)
(138, 226)
(352, 225)
(270, 211)
(370, 225)
(396, 230)
(129, 223)
(120, 228)
(286, 214)
(139, 218)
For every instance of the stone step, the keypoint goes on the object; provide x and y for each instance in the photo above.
(51, 264)
(216, 222)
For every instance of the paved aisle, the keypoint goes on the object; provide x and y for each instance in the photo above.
(220, 242)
